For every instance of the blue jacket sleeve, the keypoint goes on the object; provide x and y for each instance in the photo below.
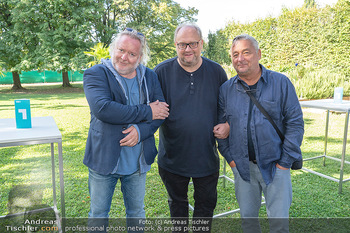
(147, 129)
(294, 128)
(106, 99)
(223, 144)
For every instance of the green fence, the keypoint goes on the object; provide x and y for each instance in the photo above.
(42, 77)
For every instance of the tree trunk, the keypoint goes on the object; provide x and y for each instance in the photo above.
(65, 79)
(16, 81)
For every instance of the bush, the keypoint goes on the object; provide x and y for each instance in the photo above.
(317, 84)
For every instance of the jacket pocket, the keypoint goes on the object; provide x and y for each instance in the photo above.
(272, 108)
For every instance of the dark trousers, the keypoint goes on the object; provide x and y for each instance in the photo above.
(205, 195)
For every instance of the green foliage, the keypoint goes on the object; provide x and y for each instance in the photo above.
(12, 45)
(45, 34)
(309, 3)
(57, 31)
(317, 83)
(217, 48)
(339, 39)
(53, 35)
(157, 20)
(265, 35)
(1, 70)
(98, 52)
(230, 71)
(106, 14)
(317, 39)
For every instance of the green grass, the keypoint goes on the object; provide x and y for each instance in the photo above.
(313, 196)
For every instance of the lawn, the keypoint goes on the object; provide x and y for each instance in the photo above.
(313, 196)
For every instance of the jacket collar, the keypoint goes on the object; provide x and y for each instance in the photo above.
(140, 74)
(264, 75)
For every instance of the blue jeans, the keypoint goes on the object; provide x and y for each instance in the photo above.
(278, 198)
(101, 188)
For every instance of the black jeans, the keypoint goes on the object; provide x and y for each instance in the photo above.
(205, 196)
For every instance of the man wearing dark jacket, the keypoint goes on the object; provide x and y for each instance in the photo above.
(259, 159)
(127, 107)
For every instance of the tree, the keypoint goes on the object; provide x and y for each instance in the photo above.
(218, 47)
(309, 3)
(53, 35)
(1, 65)
(56, 34)
(156, 19)
(11, 44)
(339, 37)
(106, 20)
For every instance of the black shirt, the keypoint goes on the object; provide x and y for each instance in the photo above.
(251, 150)
(186, 142)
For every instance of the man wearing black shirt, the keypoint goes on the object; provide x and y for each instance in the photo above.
(187, 147)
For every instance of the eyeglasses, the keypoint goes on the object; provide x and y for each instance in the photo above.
(134, 31)
(183, 46)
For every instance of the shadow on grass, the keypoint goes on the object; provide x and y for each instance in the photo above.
(43, 89)
(19, 169)
(308, 121)
(329, 139)
(37, 92)
(56, 107)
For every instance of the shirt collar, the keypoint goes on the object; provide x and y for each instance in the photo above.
(264, 75)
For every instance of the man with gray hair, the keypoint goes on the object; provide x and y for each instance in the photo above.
(127, 107)
(259, 158)
(187, 146)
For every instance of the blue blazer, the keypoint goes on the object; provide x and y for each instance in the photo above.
(110, 115)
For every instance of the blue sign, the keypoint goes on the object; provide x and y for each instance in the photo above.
(23, 118)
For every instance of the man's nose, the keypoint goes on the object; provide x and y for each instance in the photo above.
(188, 48)
(124, 56)
(240, 57)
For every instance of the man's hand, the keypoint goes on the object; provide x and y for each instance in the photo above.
(221, 131)
(160, 110)
(232, 164)
(131, 138)
(280, 167)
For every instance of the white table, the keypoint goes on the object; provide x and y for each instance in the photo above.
(44, 130)
(329, 105)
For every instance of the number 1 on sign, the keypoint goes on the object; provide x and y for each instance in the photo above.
(24, 113)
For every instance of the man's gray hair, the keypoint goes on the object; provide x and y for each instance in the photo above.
(145, 53)
(188, 24)
(246, 37)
